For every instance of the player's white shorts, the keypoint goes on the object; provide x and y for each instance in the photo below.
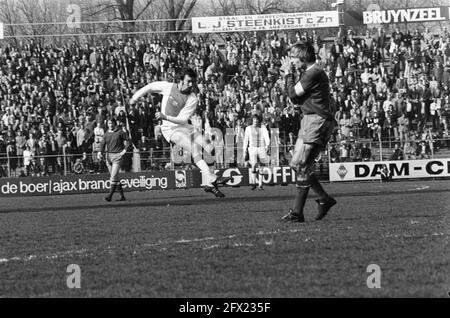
(168, 131)
(257, 152)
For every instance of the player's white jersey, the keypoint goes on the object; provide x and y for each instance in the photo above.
(174, 103)
(256, 137)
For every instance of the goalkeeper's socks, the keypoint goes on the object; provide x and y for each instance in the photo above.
(318, 189)
(300, 200)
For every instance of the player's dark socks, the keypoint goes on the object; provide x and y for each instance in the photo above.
(300, 200)
(120, 189)
(318, 189)
(111, 192)
(221, 181)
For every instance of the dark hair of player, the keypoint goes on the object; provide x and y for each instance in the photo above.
(304, 51)
(255, 116)
(189, 72)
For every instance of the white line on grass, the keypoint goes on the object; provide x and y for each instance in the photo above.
(165, 244)
(85, 252)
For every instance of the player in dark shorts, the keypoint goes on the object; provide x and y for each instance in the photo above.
(312, 93)
(115, 141)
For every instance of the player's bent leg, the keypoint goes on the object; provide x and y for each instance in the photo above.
(201, 142)
(209, 179)
(325, 201)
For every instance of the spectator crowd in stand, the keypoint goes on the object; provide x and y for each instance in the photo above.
(54, 101)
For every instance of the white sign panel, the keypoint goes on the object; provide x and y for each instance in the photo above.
(284, 21)
(405, 15)
(356, 171)
(2, 35)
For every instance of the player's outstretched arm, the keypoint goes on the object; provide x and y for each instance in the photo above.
(152, 88)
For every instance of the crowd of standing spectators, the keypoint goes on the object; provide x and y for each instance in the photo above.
(54, 101)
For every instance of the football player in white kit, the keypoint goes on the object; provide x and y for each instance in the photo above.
(257, 139)
(178, 105)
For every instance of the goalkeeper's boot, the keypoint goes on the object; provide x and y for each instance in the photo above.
(254, 187)
(324, 207)
(214, 190)
(293, 217)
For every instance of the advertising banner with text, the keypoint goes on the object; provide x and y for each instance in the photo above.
(358, 171)
(266, 22)
(244, 177)
(94, 183)
(394, 16)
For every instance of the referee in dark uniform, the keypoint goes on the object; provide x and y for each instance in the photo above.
(312, 93)
(115, 144)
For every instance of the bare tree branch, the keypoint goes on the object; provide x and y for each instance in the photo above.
(149, 2)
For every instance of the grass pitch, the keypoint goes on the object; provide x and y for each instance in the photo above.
(186, 243)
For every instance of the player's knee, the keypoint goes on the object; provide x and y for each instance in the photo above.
(304, 177)
(197, 158)
(302, 155)
(303, 184)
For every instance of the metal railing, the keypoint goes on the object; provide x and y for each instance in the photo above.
(35, 165)
(162, 159)
(370, 150)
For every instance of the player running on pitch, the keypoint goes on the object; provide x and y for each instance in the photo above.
(178, 105)
(256, 142)
(312, 93)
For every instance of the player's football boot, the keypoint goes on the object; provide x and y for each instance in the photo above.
(221, 181)
(260, 188)
(293, 217)
(254, 187)
(215, 191)
(108, 198)
(324, 207)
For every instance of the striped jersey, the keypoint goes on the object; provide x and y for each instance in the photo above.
(256, 137)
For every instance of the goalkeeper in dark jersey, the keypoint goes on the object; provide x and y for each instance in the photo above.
(312, 93)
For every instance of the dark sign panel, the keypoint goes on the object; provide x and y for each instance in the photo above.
(95, 183)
